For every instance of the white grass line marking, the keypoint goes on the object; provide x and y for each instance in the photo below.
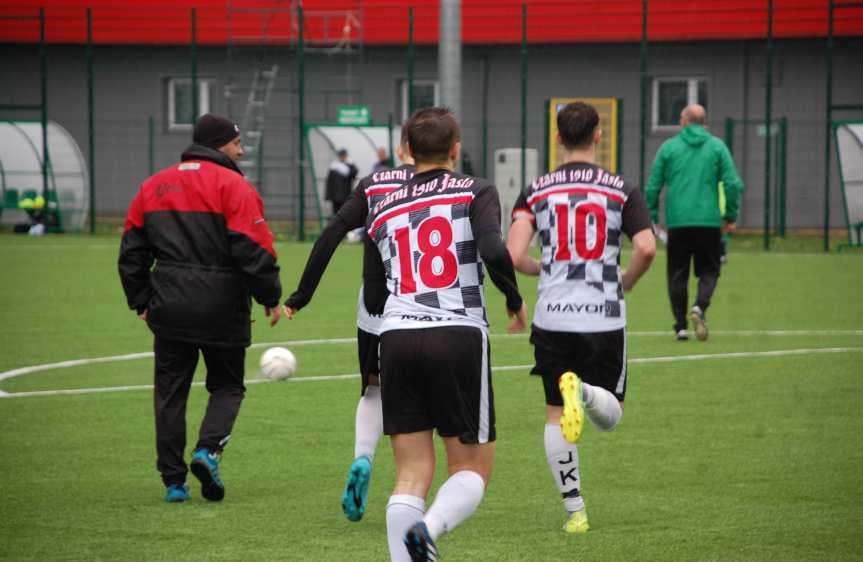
(335, 341)
(103, 389)
(73, 363)
(661, 359)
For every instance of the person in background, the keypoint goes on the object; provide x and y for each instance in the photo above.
(369, 425)
(340, 180)
(691, 164)
(383, 162)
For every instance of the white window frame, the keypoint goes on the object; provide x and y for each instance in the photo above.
(691, 97)
(423, 82)
(203, 101)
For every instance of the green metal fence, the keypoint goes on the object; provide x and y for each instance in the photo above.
(774, 150)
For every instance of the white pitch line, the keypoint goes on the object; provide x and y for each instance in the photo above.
(103, 389)
(334, 341)
(72, 363)
(143, 355)
(661, 359)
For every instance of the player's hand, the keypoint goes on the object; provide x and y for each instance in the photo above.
(143, 315)
(661, 233)
(626, 282)
(518, 320)
(728, 226)
(288, 311)
(273, 314)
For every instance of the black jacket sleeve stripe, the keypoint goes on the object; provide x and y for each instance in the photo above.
(136, 258)
(259, 268)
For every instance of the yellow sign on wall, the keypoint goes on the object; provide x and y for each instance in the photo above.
(608, 109)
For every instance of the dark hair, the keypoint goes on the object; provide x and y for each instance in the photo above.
(432, 132)
(576, 123)
(342, 152)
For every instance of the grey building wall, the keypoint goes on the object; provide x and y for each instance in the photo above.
(131, 81)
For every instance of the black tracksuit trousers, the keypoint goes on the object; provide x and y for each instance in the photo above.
(175, 366)
(703, 245)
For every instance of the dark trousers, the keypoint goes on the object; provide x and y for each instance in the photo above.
(702, 245)
(175, 366)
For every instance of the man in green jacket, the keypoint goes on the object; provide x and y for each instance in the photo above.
(691, 164)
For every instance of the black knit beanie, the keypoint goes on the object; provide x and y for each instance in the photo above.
(214, 131)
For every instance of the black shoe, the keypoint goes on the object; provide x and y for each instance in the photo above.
(682, 335)
(420, 545)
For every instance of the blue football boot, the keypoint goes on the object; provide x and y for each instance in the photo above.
(357, 488)
(176, 493)
(205, 467)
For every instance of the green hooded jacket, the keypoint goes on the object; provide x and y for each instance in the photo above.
(691, 164)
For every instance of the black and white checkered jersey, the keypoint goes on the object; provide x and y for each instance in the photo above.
(375, 187)
(579, 212)
(426, 232)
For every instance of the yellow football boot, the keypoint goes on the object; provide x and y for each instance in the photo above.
(572, 420)
(577, 522)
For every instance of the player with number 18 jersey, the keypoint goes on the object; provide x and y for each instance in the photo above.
(427, 233)
(437, 236)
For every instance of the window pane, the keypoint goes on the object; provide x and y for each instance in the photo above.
(182, 103)
(702, 93)
(672, 100)
(423, 95)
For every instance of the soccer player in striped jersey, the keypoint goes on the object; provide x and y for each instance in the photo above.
(579, 324)
(437, 236)
(369, 418)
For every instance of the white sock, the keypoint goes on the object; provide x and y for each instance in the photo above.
(369, 423)
(562, 459)
(456, 500)
(402, 512)
(601, 407)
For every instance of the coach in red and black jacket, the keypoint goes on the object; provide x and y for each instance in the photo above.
(203, 225)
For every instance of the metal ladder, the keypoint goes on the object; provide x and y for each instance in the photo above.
(252, 125)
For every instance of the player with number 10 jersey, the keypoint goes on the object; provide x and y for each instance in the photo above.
(580, 212)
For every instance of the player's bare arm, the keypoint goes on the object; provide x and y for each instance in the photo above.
(643, 252)
(517, 243)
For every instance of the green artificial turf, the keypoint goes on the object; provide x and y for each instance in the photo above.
(752, 457)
